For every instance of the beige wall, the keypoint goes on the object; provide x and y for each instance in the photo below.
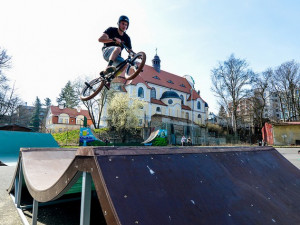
(286, 134)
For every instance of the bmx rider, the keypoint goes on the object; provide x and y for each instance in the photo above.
(112, 38)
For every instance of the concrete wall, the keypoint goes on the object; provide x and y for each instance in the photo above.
(286, 134)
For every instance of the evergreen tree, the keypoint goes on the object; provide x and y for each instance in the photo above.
(47, 102)
(222, 112)
(35, 119)
(68, 96)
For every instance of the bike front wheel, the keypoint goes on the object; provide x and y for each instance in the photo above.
(135, 66)
(91, 89)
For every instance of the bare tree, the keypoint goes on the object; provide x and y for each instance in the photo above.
(96, 105)
(8, 98)
(261, 86)
(230, 81)
(286, 82)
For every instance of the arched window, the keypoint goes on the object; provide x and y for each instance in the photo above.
(182, 99)
(198, 105)
(199, 116)
(187, 116)
(158, 109)
(153, 93)
(141, 92)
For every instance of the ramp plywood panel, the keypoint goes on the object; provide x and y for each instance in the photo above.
(252, 187)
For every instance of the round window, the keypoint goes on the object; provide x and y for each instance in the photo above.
(170, 101)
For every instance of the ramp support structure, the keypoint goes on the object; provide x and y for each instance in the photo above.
(35, 211)
(18, 186)
(85, 208)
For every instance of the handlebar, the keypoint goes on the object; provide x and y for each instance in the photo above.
(124, 46)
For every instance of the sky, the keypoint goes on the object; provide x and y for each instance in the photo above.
(54, 41)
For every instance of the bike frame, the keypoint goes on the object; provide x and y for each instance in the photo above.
(120, 66)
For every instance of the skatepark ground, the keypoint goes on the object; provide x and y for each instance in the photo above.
(69, 213)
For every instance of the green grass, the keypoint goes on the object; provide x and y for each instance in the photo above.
(67, 138)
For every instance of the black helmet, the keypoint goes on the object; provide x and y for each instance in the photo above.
(124, 18)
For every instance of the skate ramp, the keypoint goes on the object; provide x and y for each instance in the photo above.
(173, 185)
(12, 141)
(158, 133)
(151, 137)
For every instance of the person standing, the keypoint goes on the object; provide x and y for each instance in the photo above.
(183, 140)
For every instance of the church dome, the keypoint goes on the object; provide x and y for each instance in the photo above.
(170, 94)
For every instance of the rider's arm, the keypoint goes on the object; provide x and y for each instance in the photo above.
(105, 39)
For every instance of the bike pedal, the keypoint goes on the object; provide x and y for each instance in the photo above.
(87, 84)
(107, 85)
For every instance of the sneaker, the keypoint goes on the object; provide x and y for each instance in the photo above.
(109, 69)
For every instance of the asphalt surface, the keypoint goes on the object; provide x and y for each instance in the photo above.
(8, 212)
(291, 154)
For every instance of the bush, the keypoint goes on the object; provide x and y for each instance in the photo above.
(160, 141)
(95, 143)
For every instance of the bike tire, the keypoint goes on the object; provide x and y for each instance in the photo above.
(131, 71)
(92, 89)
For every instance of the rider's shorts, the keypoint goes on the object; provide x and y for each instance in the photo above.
(108, 51)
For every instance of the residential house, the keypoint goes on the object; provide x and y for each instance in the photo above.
(61, 119)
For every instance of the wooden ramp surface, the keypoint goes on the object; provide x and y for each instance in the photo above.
(173, 185)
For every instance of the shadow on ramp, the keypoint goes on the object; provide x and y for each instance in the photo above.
(167, 185)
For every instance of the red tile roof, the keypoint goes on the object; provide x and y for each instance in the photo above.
(195, 96)
(119, 79)
(185, 107)
(158, 102)
(166, 79)
(137, 80)
(56, 111)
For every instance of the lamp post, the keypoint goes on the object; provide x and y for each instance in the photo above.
(192, 114)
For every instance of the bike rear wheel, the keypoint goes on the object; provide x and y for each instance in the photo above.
(91, 89)
(135, 66)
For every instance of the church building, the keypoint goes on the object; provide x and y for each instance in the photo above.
(168, 99)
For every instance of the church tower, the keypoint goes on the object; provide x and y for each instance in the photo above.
(156, 62)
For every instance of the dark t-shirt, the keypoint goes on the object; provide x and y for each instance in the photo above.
(112, 32)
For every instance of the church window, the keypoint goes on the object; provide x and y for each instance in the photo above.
(198, 105)
(153, 93)
(141, 92)
(182, 99)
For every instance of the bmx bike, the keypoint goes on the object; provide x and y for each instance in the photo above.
(135, 63)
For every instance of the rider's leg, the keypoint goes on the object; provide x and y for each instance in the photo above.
(110, 54)
(114, 55)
